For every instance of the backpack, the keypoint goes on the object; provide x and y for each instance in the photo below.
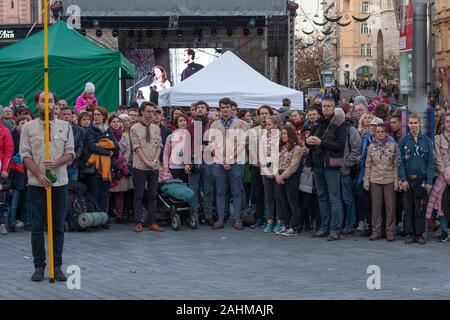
(78, 202)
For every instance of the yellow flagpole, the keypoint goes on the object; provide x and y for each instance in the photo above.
(47, 148)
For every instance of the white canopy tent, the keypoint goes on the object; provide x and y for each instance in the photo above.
(229, 76)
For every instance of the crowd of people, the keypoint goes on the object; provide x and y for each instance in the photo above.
(330, 170)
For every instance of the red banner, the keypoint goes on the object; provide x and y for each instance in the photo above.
(406, 34)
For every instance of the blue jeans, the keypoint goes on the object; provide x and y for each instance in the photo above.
(205, 176)
(99, 190)
(328, 186)
(348, 201)
(443, 223)
(72, 173)
(15, 197)
(233, 177)
(38, 208)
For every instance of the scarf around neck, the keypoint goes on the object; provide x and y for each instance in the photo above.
(118, 133)
(147, 133)
(102, 127)
(381, 143)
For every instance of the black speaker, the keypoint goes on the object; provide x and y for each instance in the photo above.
(277, 36)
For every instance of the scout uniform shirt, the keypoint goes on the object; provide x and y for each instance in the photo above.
(32, 145)
(138, 134)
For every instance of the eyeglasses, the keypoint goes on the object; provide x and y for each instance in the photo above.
(97, 114)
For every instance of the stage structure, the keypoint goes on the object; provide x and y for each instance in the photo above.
(258, 34)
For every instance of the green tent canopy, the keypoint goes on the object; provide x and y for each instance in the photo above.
(73, 61)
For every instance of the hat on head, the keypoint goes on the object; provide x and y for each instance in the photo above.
(376, 121)
(90, 88)
(360, 100)
(124, 117)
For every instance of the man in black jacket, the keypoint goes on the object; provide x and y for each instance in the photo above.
(66, 114)
(192, 67)
(327, 144)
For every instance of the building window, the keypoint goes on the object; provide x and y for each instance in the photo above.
(12, 4)
(365, 7)
(365, 28)
(34, 10)
(366, 49)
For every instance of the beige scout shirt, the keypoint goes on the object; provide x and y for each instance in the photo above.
(381, 165)
(442, 152)
(138, 140)
(219, 144)
(32, 145)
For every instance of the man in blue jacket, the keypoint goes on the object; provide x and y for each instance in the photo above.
(416, 170)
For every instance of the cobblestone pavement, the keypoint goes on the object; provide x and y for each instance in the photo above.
(228, 264)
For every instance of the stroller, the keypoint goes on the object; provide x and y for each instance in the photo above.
(174, 197)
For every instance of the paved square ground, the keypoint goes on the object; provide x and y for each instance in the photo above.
(228, 264)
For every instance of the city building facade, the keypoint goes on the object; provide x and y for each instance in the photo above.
(441, 26)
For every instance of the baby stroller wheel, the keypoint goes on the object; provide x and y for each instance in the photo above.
(175, 221)
(193, 221)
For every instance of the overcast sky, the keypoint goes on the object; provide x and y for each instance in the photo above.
(310, 8)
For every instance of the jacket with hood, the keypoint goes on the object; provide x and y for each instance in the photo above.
(333, 134)
(6, 148)
(352, 147)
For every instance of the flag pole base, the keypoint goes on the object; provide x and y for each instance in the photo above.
(51, 280)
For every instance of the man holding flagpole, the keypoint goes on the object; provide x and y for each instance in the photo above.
(44, 174)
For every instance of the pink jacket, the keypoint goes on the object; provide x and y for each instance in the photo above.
(6, 148)
(82, 101)
(177, 151)
(435, 200)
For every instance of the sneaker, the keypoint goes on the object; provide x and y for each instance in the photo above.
(443, 237)
(320, 234)
(281, 231)
(289, 232)
(59, 274)
(268, 228)
(138, 228)
(374, 237)
(19, 224)
(366, 233)
(390, 238)
(155, 227)
(238, 225)
(38, 274)
(361, 226)
(219, 224)
(12, 228)
(410, 239)
(257, 224)
(28, 227)
(3, 229)
(421, 240)
(277, 228)
(334, 237)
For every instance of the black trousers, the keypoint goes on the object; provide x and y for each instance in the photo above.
(257, 192)
(140, 178)
(287, 197)
(399, 207)
(310, 211)
(179, 174)
(415, 204)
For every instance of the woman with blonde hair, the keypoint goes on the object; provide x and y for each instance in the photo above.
(364, 123)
